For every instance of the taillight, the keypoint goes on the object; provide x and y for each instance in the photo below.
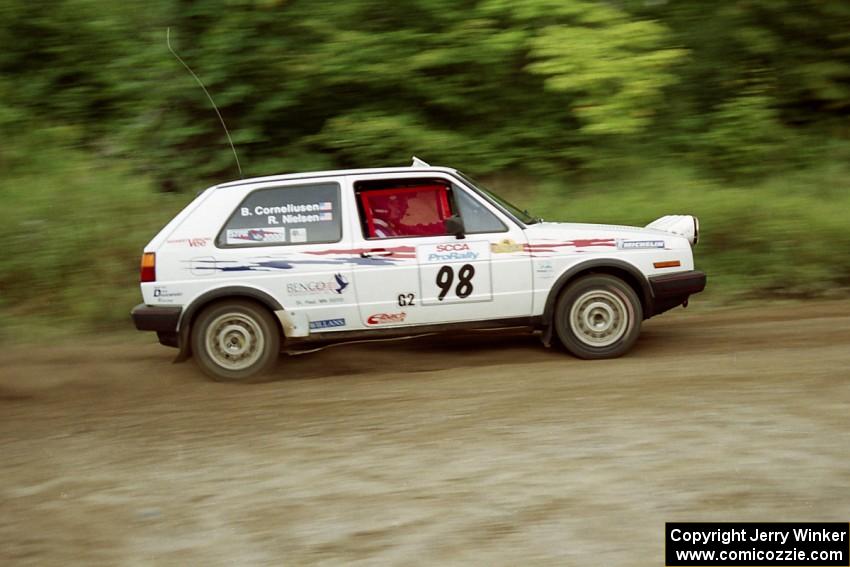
(148, 273)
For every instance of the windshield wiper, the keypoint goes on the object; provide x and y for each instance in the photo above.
(531, 219)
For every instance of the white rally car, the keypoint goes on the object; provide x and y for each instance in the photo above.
(255, 267)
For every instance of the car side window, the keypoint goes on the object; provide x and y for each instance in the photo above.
(277, 216)
(477, 219)
(403, 209)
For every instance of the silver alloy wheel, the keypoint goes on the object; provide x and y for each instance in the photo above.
(234, 341)
(599, 318)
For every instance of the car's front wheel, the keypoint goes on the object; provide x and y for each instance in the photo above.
(598, 316)
(235, 340)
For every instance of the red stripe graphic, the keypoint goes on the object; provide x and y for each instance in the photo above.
(398, 251)
(407, 252)
(578, 243)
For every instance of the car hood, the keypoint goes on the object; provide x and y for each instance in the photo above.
(560, 230)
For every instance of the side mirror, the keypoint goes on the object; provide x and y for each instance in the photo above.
(454, 225)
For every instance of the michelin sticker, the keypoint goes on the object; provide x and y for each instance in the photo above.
(641, 244)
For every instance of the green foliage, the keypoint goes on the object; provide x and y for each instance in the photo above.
(72, 230)
(744, 133)
(613, 69)
(545, 86)
(764, 79)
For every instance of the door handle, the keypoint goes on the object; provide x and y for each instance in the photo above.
(376, 253)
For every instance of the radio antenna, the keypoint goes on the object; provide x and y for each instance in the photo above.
(221, 119)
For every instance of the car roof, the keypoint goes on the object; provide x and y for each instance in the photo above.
(334, 173)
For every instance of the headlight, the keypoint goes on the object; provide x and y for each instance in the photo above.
(682, 225)
(696, 231)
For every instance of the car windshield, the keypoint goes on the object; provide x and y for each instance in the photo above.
(521, 215)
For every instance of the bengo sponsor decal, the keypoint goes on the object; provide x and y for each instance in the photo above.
(335, 285)
(386, 318)
(327, 324)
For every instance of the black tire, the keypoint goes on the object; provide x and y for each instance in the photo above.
(598, 316)
(235, 340)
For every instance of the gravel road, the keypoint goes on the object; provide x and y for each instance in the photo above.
(489, 449)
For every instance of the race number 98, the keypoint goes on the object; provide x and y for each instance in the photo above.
(454, 272)
(446, 277)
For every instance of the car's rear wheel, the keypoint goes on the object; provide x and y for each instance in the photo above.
(235, 340)
(598, 316)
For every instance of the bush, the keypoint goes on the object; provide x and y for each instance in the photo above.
(784, 237)
(73, 229)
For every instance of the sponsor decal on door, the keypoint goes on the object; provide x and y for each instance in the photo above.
(386, 318)
(454, 272)
(327, 324)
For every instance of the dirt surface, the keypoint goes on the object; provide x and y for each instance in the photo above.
(488, 449)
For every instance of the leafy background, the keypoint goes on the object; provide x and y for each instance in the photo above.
(614, 111)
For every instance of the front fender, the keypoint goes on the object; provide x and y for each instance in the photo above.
(628, 272)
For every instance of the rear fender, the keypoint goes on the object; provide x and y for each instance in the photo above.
(184, 326)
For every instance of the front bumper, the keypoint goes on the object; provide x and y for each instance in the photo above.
(163, 320)
(672, 290)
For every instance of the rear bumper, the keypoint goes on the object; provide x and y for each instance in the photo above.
(672, 290)
(163, 320)
(159, 319)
